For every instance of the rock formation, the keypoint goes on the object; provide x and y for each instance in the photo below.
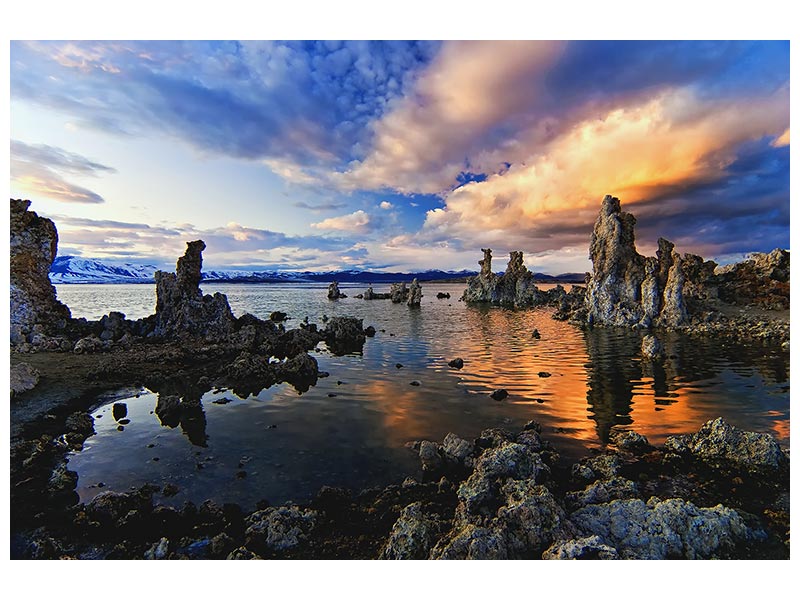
(761, 280)
(181, 308)
(35, 311)
(398, 293)
(414, 293)
(333, 291)
(627, 288)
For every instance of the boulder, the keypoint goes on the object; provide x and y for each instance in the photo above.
(344, 335)
(585, 548)
(277, 529)
(23, 377)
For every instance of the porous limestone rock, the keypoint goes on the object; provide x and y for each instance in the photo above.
(23, 377)
(398, 293)
(719, 443)
(34, 307)
(760, 280)
(181, 308)
(333, 291)
(585, 548)
(670, 528)
(277, 529)
(652, 349)
(414, 293)
(412, 535)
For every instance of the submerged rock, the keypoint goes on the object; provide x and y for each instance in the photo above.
(34, 307)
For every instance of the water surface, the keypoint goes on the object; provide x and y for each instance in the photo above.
(350, 429)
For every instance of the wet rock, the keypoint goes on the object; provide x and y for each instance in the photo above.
(412, 535)
(369, 331)
(665, 529)
(543, 374)
(456, 363)
(109, 508)
(652, 349)
(585, 548)
(158, 551)
(170, 489)
(23, 378)
(81, 423)
(62, 480)
(278, 529)
(344, 335)
(181, 308)
(168, 409)
(457, 450)
(721, 444)
(443, 295)
(498, 395)
(34, 244)
(333, 291)
(415, 383)
(414, 293)
(536, 335)
(119, 410)
(278, 316)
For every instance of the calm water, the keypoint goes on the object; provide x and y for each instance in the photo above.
(350, 429)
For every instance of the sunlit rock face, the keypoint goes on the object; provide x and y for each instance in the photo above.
(414, 293)
(34, 307)
(627, 288)
(761, 280)
(181, 308)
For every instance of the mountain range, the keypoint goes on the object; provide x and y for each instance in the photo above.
(74, 269)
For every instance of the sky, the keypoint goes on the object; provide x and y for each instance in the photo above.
(400, 156)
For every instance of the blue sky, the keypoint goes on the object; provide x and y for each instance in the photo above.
(400, 155)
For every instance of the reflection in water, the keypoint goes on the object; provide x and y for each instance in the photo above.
(350, 429)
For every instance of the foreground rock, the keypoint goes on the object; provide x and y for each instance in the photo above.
(35, 311)
(23, 378)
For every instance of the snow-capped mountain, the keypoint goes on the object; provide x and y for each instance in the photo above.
(73, 269)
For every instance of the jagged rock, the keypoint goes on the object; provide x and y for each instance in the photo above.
(301, 371)
(62, 480)
(344, 335)
(761, 280)
(457, 450)
(429, 456)
(629, 441)
(109, 508)
(531, 518)
(719, 443)
(277, 316)
(34, 244)
(277, 529)
(23, 377)
(603, 466)
(602, 491)
(80, 422)
(412, 535)
(114, 326)
(242, 553)
(626, 288)
(398, 293)
(652, 349)
(665, 529)
(181, 308)
(334, 293)
(158, 551)
(471, 542)
(414, 293)
(585, 548)
(513, 288)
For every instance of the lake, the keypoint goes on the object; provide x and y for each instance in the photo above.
(351, 428)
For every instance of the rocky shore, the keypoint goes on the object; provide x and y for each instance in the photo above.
(718, 493)
(670, 291)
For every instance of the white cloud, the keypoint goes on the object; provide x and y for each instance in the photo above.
(357, 222)
(385, 205)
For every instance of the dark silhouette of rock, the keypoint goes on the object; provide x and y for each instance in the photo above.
(181, 308)
(35, 311)
(499, 395)
(344, 335)
(443, 295)
(456, 363)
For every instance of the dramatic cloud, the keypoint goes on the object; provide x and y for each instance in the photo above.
(40, 170)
